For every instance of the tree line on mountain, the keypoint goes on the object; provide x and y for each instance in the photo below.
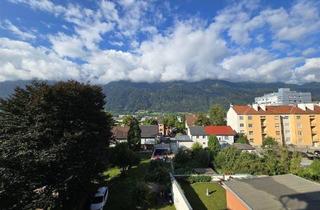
(180, 96)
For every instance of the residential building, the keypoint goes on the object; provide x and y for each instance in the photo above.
(225, 134)
(120, 134)
(200, 134)
(190, 120)
(244, 147)
(164, 130)
(149, 134)
(284, 96)
(272, 192)
(288, 124)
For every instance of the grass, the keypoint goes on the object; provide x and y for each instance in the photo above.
(120, 187)
(196, 195)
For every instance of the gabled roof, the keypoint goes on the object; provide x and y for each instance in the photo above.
(276, 192)
(219, 130)
(240, 146)
(120, 132)
(274, 110)
(149, 131)
(191, 119)
(197, 131)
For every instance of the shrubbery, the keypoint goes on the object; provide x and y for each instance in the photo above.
(194, 179)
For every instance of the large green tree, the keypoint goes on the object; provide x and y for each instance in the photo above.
(202, 120)
(134, 135)
(214, 145)
(217, 115)
(123, 157)
(53, 141)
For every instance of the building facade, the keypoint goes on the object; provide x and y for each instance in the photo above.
(284, 96)
(288, 124)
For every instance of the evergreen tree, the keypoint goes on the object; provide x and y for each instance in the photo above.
(134, 135)
(53, 141)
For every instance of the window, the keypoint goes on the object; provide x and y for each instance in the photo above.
(251, 140)
(197, 137)
(287, 131)
(299, 125)
(241, 125)
(277, 133)
(287, 139)
(203, 137)
(241, 117)
(300, 133)
(250, 125)
(250, 132)
(249, 117)
(276, 117)
(298, 117)
(277, 125)
(286, 124)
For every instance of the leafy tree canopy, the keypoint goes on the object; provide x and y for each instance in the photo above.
(53, 141)
(242, 139)
(269, 142)
(214, 145)
(217, 115)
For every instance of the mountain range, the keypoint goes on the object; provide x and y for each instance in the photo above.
(180, 96)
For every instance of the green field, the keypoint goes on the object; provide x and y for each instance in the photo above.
(196, 195)
(120, 187)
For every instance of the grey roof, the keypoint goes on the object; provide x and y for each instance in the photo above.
(277, 192)
(243, 146)
(197, 131)
(182, 138)
(148, 131)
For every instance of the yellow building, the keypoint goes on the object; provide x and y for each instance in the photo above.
(288, 124)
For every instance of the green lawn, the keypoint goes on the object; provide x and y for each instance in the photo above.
(120, 187)
(196, 195)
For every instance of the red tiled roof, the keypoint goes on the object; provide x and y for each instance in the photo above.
(274, 110)
(191, 119)
(221, 130)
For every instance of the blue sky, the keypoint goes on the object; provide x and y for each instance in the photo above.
(160, 40)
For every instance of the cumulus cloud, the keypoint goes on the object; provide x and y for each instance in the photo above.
(20, 60)
(243, 42)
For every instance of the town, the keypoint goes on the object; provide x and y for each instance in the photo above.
(284, 125)
(159, 105)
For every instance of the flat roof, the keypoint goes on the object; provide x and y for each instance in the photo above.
(277, 192)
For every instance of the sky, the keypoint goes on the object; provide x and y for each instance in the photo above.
(100, 41)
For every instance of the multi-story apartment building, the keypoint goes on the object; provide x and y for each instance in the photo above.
(284, 96)
(288, 124)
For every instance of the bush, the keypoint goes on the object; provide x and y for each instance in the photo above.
(158, 172)
(194, 179)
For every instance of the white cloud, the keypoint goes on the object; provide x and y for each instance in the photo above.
(192, 49)
(20, 60)
(7, 25)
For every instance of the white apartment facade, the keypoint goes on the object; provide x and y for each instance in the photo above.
(284, 96)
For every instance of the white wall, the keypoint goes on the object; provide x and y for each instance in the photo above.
(233, 120)
(179, 199)
(227, 139)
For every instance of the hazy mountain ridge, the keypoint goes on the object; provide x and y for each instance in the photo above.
(179, 96)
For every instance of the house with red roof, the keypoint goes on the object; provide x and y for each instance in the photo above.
(200, 134)
(224, 133)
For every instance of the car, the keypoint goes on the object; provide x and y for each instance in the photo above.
(99, 199)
